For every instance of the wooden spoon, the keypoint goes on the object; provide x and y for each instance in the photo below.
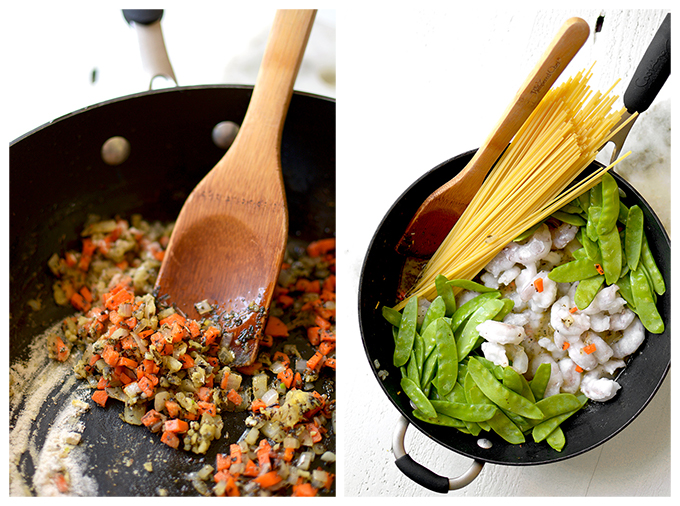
(230, 236)
(440, 211)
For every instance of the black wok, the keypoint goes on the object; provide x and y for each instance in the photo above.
(57, 178)
(591, 427)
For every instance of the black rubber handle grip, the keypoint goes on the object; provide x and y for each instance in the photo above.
(652, 72)
(422, 475)
(142, 16)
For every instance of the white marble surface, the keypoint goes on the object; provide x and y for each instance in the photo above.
(434, 90)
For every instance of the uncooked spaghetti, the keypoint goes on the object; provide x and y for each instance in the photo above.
(530, 181)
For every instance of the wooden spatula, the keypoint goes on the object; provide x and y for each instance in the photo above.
(230, 236)
(440, 211)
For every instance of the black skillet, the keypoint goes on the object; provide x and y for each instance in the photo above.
(57, 177)
(594, 425)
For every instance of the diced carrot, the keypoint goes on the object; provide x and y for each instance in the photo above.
(210, 335)
(263, 450)
(175, 425)
(257, 405)
(251, 469)
(599, 269)
(566, 345)
(304, 490)
(61, 351)
(234, 397)
(70, 259)
(86, 256)
(590, 348)
(207, 407)
(538, 284)
(151, 417)
(286, 377)
(321, 247)
(174, 317)
(330, 362)
(222, 462)
(118, 298)
(578, 368)
(313, 286)
(329, 283)
(85, 292)
(170, 439)
(194, 328)
(235, 453)
(279, 356)
(315, 362)
(327, 335)
(100, 397)
(146, 385)
(187, 360)
(79, 302)
(267, 480)
(322, 322)
(313, 335)
(326, 347)
(231, 488)
(177, 332)
(275, 327)
(127, 362)
(285, 301)
(110, 355)
(173, 408)
(288, 453)
(314, 432)
(61, 483)
(204, 393)
(573, 310)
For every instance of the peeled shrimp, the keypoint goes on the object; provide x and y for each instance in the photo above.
(630, 341)
(535, 249)
(501, 333)
(597, 388)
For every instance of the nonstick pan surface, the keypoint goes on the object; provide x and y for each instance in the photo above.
(57, 178)
(594, 425)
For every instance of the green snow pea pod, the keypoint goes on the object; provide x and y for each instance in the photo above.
(626, 291)
(623, 212)
(413, 391)
(571, 219)
(496, 370)
(648, 261)
(407, 332)
(587, 290)
(610, 204)
(445, 291)
(474, 395)
(429, 371)
(508, 305)
(540, 380)
(505, 428)
(543, 429)
(644, 302)
(512, 380)
(576, 270)
(573, 207)
(502, 396)
(592, 249)
(634, 236)
(392, 316)
(436, 310)
(558, 404)
(429, 339)
(467, 339)
(584, 201)
(439, 419)
(593, 219)
(412, 369)
(612, 259)
(595, 194)
(556, 439)
(464, 311)
(447, 357)
(465, 411)
(472, 286)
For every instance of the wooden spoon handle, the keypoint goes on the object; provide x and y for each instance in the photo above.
(280, 64)
(570, 38)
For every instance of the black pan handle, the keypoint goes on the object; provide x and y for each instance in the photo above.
(422, 475)
(142, 16)
(652, 72)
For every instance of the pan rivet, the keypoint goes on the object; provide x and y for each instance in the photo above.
(115, 150)
(224, 134)
(484, 443)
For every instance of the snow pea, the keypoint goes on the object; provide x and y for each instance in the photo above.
(436, 310)
(505, 428)
(591, 248)
(392, 316)
(570, 218)
(464, 311)
(558, 404)
(648, 261)
(644, 302)
(412, 369)
(508, 305)
(407, 333)
(439, 419)
(465, 411)
(610, 204)
(528, 233)
(472, 286)
(626, 291)
(612, 260)
(474, 395)
(445, 291)
(447, 357)
(634, 235)
(467, 339)
(593, 219)
(420, 400)
(540, 380)
(543, 429)
(587, 290)
(576, 270)
(501, 395)
(556, 439)
(511, 380)
(429, 371)
(595, 195)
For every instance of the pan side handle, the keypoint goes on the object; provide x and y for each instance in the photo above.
(422, 475)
